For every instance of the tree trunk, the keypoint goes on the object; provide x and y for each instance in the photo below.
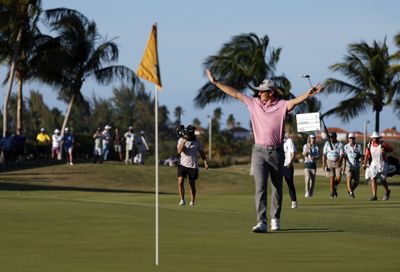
(11, 80)
(20, 109)
(377, 117)
(67, 114)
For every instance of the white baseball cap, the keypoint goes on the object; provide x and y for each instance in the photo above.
(66, 129)
(351, 135)
(107, 127)
(42, 129)
(56, 130)
(375, 135)
(312, 136)
(266, 85)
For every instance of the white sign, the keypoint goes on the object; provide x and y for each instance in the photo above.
(308, 122)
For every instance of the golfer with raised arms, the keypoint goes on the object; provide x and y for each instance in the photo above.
(268, 114)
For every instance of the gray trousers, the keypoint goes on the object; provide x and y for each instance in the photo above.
(268, 162)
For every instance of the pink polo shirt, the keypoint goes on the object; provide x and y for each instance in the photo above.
(267, 121)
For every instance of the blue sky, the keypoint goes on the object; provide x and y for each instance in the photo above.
(313, 34)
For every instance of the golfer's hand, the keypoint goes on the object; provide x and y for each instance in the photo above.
(315, 90)
(205, 165)
(211, 77)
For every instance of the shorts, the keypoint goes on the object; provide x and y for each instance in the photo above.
(353, 172)
(117, 148)
(334, 169)
(192, 173)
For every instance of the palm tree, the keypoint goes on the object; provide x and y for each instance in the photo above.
(83, 55)
(241, 63)
(17, 20)
(396, 69)
(372, 82)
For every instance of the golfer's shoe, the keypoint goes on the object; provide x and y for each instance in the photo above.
(260, 228)
(307, 194)
(351, 194)
(182, 202)
(386, 196)
(373, 198)
(191, 203)
(294, 204)
(332, 195)
(275, 225)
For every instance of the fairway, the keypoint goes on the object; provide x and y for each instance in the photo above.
(101, 218)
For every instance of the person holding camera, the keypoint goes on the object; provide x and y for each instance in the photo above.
(268, 115)
(188, 147)
(351, 164)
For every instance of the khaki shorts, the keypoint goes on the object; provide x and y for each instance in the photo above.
(353, 172)
(334, 169)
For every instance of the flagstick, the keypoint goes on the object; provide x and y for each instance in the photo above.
(156, 165)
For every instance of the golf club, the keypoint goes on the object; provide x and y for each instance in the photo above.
(321, 118)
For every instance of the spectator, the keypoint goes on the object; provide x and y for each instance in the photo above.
(376, 162)
(43, 141)
(142, 148)
(68, 144)
(56, 145)
(129, 145)
(311, 154)
(351, 166)
(288, 170)
(98, 138)
(107, 138)
(332, 162)
(7, 146)
(118, 144)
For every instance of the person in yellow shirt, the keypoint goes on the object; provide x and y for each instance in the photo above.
(43, 144)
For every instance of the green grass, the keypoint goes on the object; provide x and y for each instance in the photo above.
(101, 218)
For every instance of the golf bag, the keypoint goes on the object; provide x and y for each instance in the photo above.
(393, 166)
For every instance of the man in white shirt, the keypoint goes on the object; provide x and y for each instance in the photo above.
(129, 145)
(288, 170)
(351, 166)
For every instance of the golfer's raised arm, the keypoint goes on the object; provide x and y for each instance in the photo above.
(310, 93)
(226, 89)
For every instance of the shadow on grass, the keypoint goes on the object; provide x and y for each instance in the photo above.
(6, 186)
(306, 230)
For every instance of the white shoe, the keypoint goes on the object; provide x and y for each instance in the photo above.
(260, 228)
(182, 202)
(275, 225)
(71, 163)
(307, 194)
(191, 203)
(294, 204)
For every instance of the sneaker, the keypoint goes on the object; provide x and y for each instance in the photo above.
(307, 194)
(294, 204)
(332, 195)
(71, 163)
(275, 225)
(191, 203)
(386, 196)
(373, 198)
(351, 194)
(260, 228)
(182, 202)
(335, 193)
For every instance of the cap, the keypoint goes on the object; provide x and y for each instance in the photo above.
(375, 135)
(266, 85)
(332, 134)
(56, 130)
(66, 129)
(130, 127)
(312, 136)
(107, 127)
(351, 135)
(142, 132)
(42, 129)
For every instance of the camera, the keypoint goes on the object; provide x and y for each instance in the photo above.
(188, 133)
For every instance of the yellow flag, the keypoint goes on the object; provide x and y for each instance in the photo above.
(149, 68)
